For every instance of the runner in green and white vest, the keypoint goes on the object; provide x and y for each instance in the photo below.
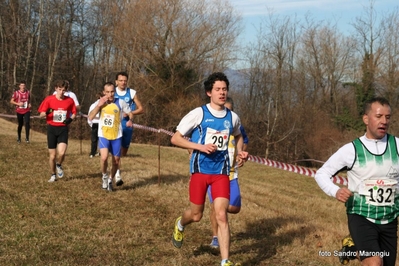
(372, 195)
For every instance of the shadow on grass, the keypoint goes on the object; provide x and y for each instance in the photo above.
(263, 238)
(206, 249)
(83, 176)
(264, 241)
(154, 180)
(76, 152)
(132, 156)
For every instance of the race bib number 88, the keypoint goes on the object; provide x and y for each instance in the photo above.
(379, 192)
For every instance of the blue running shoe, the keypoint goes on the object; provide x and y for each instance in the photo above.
(214, 243)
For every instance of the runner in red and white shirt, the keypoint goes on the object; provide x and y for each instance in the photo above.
(59, 111)
(72, 95)
(21, 99)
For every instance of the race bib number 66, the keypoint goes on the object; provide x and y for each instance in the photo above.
(108, 120)
(379, 192)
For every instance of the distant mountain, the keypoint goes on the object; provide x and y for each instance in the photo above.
(238, 78)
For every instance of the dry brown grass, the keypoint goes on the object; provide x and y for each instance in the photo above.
(285, 218)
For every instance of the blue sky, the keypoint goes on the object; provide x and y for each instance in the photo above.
(343, 12)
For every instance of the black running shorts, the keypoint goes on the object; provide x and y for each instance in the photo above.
(374, 239)
(56, 135)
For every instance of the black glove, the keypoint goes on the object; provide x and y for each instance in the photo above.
(49, 111)
(67, 121)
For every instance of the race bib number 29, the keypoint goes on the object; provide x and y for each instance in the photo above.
(219, 138)
(379, 192)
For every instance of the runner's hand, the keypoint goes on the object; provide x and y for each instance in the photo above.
(67, 121)
(343, 194)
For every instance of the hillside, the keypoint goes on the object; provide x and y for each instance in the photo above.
(285, 218)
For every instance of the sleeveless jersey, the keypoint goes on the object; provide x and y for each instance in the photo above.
(23, 97)
(110, 121)
(373, 179)
(127, 98)
(216, 131)
(232, 157)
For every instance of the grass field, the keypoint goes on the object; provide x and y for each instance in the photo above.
(285, 218)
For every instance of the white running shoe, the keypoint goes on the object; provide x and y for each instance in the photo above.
(105, 181)
(109, 188)
(60, 172)
(52, 179)
(118, 179)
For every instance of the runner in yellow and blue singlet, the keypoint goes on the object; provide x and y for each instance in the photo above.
(110, 111)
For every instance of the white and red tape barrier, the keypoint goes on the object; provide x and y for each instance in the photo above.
(294, 168)
(283, 166)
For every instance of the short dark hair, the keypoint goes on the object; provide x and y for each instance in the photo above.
(61, 84)
(122, 73)
(108, 83)
(216, 76)
(368, 103)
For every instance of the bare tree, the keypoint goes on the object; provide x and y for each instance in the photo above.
(55, 24)
(388, 71)
(269, 95)
(327, 56)
(368, 32)
(168, 46)
(12, 38)
(35, 40)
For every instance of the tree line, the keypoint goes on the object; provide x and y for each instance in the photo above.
(304, 80)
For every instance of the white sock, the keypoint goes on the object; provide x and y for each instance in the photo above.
(181, 228)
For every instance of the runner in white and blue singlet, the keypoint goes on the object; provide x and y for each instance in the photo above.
(209, 127)
(235, 193)
(129, 96)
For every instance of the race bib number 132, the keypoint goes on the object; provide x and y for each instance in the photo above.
(379, 192)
